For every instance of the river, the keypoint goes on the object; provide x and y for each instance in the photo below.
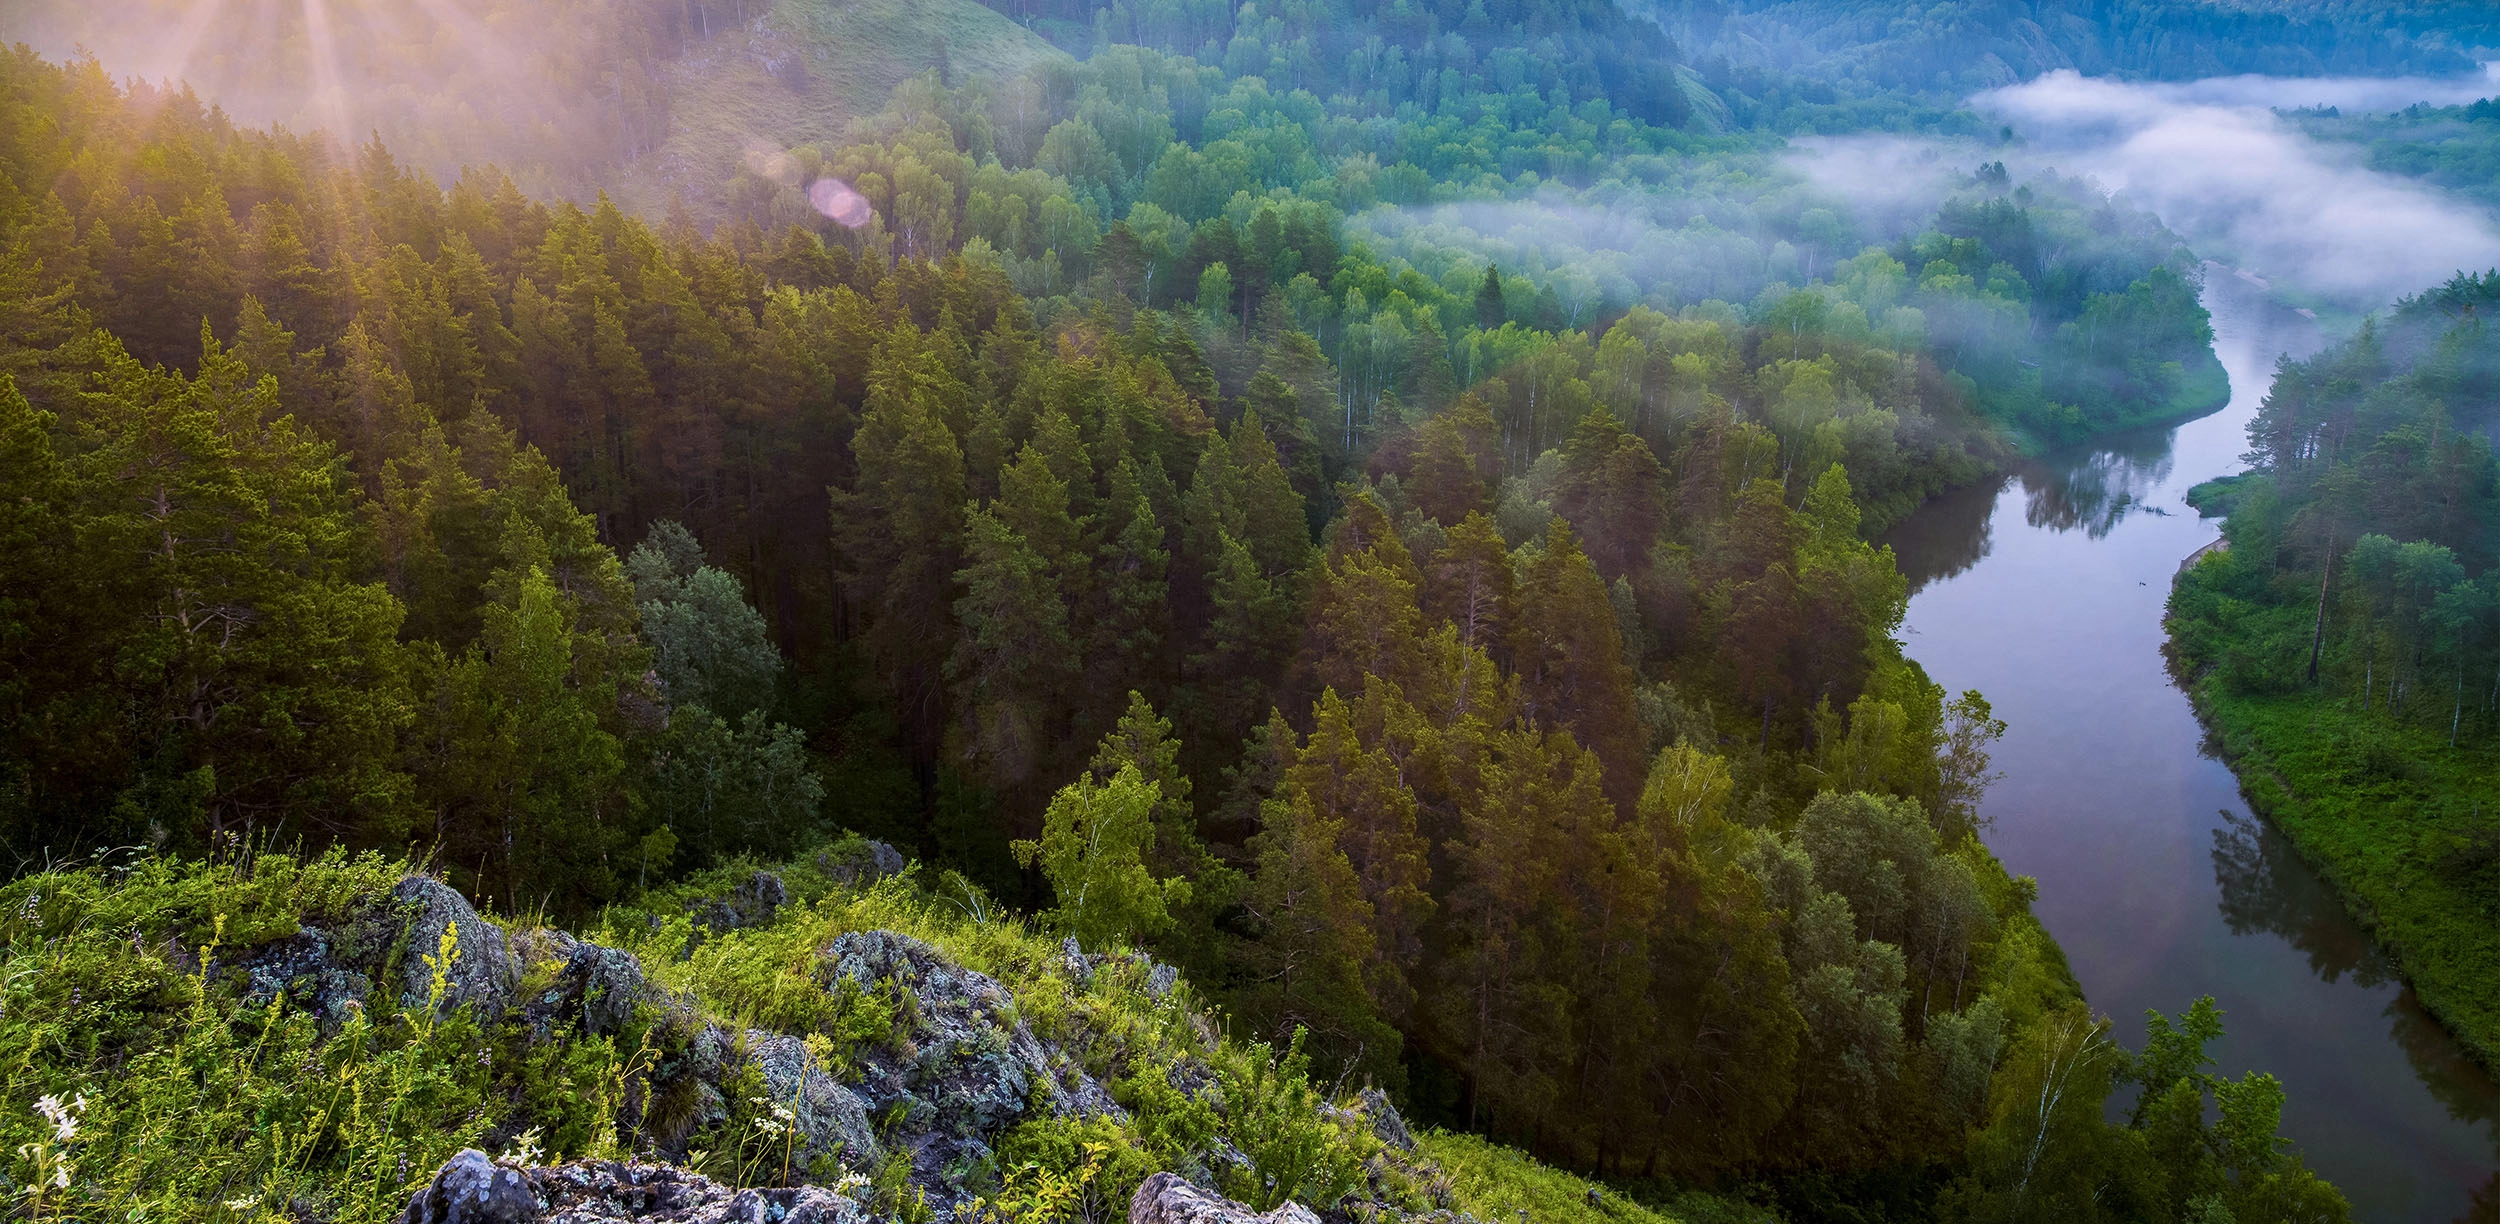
(2045, 591)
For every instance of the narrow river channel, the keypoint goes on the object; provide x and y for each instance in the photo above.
(2045, 592)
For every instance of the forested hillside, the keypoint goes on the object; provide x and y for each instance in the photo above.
(2347, 641)
(1510, 704)
(1826, 49)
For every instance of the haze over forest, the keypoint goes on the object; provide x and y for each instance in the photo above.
(992, 610)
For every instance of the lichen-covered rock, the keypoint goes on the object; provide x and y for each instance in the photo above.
(751, 904)
(306, 968)
(960, 1068)
(619, 1192)
(862, 862)
(831, 1120)
(1167, 1198)
(471, 1189)
(484, 973)
(474, 1190)
(1383, 1118)
(608, 983)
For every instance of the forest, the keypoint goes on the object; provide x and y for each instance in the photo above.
(1189, 498)
(2346, 641)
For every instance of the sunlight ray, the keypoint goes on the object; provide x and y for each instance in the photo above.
(175, 60)
(329, 99)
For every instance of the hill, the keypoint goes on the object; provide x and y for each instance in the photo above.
(654, 101)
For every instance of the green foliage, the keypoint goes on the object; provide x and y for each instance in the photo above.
(2341, 643)
(1093, 850)
(188, 1095)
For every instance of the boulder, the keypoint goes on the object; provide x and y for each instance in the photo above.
(604, 984)
(751, 904)
(1384, 1120)
(471, 1189)
(831, 1120)
(308, 970)
(861, 862)
(1167, 1198)
(483, 972)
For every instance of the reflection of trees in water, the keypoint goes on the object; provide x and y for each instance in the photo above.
(2095, 489)
(2486, 1206)
(2267, 888)
(1947, 535)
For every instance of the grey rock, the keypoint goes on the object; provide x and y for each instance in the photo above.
(960, 1067)
(861, 862)
(831, 1120)
(605, 984)
(1080, 966)
(1160, 980)
(1382, 1115)
(471, 1189)
(615, 1192)
(483, 974)
(1166, 1198)
(307, 971)
(751, 904)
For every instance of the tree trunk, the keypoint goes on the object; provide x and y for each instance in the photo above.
(2317, 636)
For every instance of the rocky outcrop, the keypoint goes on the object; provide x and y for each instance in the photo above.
(861, 862)
(331, 969)
(1383, 1118)
(1166, 1198)
(482, 974)
(961, 1066)
(472, 1189)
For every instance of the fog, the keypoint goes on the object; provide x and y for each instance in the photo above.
(2242, 184)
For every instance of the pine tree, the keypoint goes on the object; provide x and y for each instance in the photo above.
(1008, 671)
(1307, 967)
(1491, 311)
(1471, 586)
(1614, 492)
(1568, 652)
(1361, 792)
(899, 528)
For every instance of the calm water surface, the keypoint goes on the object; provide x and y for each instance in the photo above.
(2045, 592)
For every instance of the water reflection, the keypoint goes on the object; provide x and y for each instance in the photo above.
(2093, 489)
(2266, 887)
(1948, 535)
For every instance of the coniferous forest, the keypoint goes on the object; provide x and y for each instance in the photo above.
(1175, 600)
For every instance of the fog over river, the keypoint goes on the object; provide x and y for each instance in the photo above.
(2045, 591)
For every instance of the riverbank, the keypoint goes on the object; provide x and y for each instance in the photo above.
(2204, 387)
(2390, 817)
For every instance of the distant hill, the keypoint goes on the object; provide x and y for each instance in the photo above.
(1866, 45)
(655, 101)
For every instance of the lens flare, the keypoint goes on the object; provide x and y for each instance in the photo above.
(835, 199)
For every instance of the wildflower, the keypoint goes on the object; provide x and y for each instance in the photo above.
(525, 1149)
(64, 1118)
(246, 1203)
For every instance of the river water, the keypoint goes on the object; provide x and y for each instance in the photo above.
(2045, 592)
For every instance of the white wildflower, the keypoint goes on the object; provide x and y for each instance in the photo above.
(64, 1118)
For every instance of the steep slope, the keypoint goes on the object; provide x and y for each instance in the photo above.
(218, 1041)
(802, 72)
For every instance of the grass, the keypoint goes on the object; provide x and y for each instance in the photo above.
(2396, 822)
(146, 1074)
(803, 72)
(1500, 1185)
